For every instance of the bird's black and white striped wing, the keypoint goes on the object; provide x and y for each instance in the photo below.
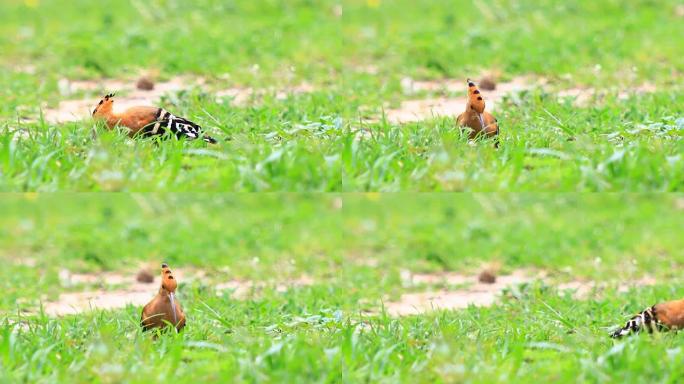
(181, 127)
(647, 319)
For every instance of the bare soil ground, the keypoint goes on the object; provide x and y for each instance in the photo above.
(465, 290)
(119, 290)
(131, 95)
(421, 109)
(441, 101)
(445, 290)
(446, 104)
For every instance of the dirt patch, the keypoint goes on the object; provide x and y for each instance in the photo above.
(369, 69)
(140, 293)
(242, 289)
(70, 279)
(25, 262)
(457, 290)
(583, 289)
(470, 291)
(421, 109)
(517, 84)
(416, 110)
(132, 292)
(243, 96)
(679, 203)
(679, 10)
(131, 93)
(519, 276)
(583, 97)
(474, 293)
(78, 302)
(422, 302)
(129, 96)
(28, 69)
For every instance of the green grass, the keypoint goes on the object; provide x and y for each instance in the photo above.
(354, 247)
(324, 332)
(534, 336)
(309, 142)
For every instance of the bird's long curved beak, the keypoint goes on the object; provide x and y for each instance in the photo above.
(173, 308)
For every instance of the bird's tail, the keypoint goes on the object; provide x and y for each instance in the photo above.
(209, 139)
(646, 319)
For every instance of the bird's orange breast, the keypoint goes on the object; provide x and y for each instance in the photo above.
(136, 118)
(472, 120)
(671, 313)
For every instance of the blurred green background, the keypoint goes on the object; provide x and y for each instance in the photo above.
(353, 58)
(360, 240)
(318, 77)
(353, 249)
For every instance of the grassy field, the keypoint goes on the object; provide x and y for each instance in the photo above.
(354, 248)
(312, 87)
(353, 55)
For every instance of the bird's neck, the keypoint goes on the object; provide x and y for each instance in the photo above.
(163, 292)
(469, 110)
(108, 115)
(170, 298)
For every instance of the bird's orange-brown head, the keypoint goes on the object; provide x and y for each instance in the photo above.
(104, 107)
(169, 282)
(475, 100)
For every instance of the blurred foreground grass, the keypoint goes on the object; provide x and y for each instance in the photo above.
(322, 332)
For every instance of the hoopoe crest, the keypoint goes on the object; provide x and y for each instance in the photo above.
(475, 117)
(148, 121)
(660, 317)
(164, 309)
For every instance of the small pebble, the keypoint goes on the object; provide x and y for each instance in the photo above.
(144, 276)
(487, 83)
(145, 84)
(487, 277)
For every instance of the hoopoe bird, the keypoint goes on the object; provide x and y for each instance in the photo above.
(664, 316)
(148, 121)
(475, 117)
(164, 309)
